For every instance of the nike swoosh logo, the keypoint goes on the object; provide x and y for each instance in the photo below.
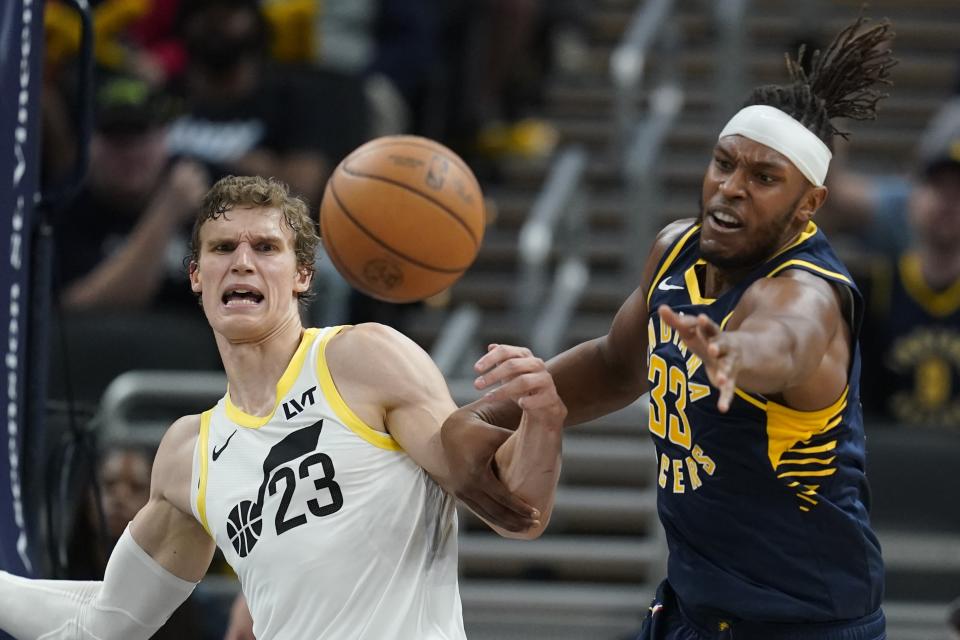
(663, 286)
(216, 454)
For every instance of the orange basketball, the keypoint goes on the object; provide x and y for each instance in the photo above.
(402, 218)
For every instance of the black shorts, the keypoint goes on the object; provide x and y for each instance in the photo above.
(666, 621)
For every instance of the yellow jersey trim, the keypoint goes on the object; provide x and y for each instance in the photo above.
(788, 427)
(811, 266)
(809, 231)
(797, 474)
(758, 403)
(248, 421)
(830, 446)
(670, 258)
(693, 284)
(937, 303)
(204, 437)
(344, 412)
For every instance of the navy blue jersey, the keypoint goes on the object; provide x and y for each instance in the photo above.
(912, 347)
(765, 507)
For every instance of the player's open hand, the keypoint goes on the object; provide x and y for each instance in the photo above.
(470, 445)
(514, 373)
(719, 352)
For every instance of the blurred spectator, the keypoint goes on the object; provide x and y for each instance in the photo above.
(248, 116)
(123, 476)
(911, 334)
(503, 51)
(121, 243)
(131, 36)
(391, 45)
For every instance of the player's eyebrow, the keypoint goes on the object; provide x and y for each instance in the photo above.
(254, 238)
(767, 164)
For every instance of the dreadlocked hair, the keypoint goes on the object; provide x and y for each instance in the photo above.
(842, 81)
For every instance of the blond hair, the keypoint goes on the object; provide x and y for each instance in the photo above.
(269, 193)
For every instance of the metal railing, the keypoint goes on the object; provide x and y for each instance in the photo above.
(456, 338)
(137, 406)
(628, 63)
(730, 83)
(639, 135)
(543, 299)
(555, 218)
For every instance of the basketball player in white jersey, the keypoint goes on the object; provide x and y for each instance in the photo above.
(318, 474)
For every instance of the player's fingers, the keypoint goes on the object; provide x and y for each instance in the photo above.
(726, 397)
(509, 370)
(676, 320)
(525, 384)
(498, 506)
(497, 353)
(707, 327)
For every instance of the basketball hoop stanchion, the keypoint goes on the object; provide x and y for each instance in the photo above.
(25, 277)
(21, 43)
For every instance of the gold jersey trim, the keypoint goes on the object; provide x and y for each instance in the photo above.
(809, 231)
(937, 303)
(693, 284)
(248, 421)
(788, 427)
(204, 440)
(809, 265)
(670, 258)
(340, 407)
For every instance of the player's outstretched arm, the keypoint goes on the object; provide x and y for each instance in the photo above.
(787, 337)
(152, 570)
(592, 378)
(391, 383)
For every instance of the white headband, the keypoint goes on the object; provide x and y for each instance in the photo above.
(772, 127)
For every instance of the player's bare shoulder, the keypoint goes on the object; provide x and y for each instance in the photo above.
(353, 350)
(667, 237)
(173, 465)
(377, 368)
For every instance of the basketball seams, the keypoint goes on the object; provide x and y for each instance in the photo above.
(425, 196)
(414, 141)
(381, 243)
(332, 252)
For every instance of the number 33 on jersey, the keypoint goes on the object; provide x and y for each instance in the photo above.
(683, 463)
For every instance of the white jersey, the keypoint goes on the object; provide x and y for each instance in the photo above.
(334, 531)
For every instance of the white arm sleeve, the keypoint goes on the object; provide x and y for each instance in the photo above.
(136, 597)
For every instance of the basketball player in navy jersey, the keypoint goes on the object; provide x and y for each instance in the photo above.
(744, 331)
(319, 474)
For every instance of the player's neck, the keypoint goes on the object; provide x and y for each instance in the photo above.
(716, 281)
(253, 368)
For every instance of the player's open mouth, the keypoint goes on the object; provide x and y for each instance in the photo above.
(724, 219)
(241, 296)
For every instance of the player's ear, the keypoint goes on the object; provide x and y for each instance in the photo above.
(812, 201)
(194, 273)
(303, 279)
